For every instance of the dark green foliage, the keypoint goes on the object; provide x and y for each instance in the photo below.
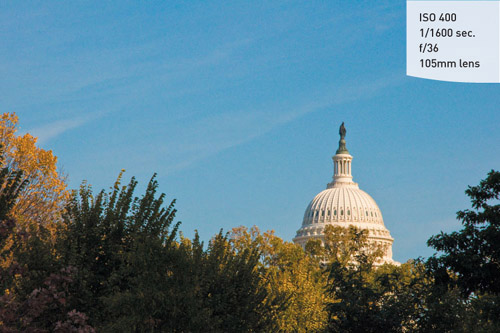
(133, 276)
(390, 299)
(356, 297)
(114, 240)
(469, 266)
(358, 291)
(455, 292)
(355, 307)
(189, 289)
(473, 253)
(232, 289)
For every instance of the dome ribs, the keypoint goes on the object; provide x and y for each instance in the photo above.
(350, 215)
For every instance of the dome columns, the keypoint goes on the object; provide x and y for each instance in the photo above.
(342, 168)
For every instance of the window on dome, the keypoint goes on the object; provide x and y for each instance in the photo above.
(366, 213)
(322, 213)
(341, 212)
(372, 214)
(348, 212)
(335, 212)
(328, 212)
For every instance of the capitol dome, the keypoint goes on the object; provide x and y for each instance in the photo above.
(344, 204)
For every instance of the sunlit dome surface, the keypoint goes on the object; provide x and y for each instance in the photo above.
(344, 204)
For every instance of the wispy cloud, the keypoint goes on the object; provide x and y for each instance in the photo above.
(95, 86)
(86, 74)
(214, 134)
(52, 130)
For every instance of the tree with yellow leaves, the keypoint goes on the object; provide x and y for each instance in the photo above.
(291, 271)
(42, 199)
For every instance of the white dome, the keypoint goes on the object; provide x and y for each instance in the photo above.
(344, 204)
(341, 204)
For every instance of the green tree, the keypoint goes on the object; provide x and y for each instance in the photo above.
(190, 289)
(366, 295)
(355, 305)
(132, 275)
(233, 289)
(468, 266)
(473, 253)
(102, 236)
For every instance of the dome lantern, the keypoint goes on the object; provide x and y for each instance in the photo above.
(342, 162)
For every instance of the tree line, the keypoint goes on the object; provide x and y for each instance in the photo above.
(115, 261)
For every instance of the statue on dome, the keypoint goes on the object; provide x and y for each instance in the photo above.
(342, 148)
(342, 131)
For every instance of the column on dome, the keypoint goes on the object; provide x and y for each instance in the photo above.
(342, 167)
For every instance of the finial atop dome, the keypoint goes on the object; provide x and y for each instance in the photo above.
(342, 148)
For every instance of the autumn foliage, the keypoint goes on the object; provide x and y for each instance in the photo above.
(43, 197)
(114, 261)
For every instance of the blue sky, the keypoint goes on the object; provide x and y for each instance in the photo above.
(236, 106)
